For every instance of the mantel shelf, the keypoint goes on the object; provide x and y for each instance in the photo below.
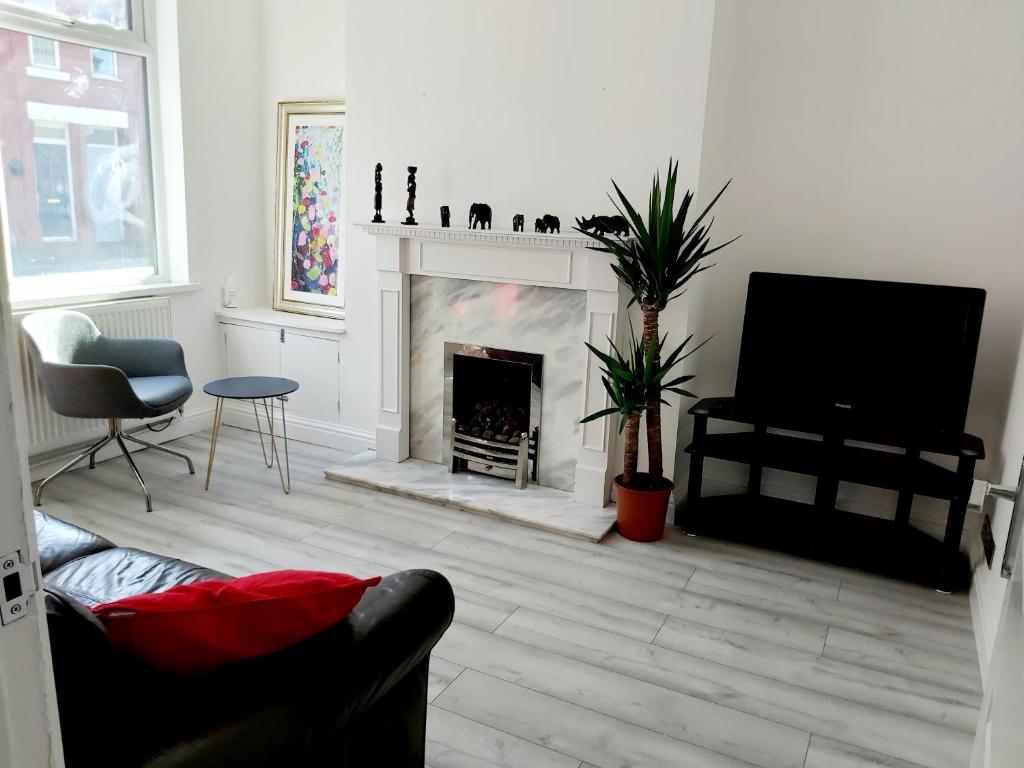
(504, 238)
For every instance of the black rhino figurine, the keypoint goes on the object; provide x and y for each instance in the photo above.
(602, 225)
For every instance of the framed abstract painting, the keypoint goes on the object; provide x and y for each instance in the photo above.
(309, 265)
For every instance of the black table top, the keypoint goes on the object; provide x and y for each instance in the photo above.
(250, 387)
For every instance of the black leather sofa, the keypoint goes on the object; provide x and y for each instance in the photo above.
(355, 696)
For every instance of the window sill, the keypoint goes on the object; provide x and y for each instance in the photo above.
(47, 73)
(95, 296)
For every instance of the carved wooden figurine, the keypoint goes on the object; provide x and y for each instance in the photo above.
(378, 194)
(410, 204)
(446, 216)
(517, 223)
(480, 213)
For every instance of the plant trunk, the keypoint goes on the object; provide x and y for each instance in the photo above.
(653, 415)
(632, 449)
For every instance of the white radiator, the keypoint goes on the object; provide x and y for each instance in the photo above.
(133, 318)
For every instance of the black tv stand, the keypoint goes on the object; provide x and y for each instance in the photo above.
(819, 530)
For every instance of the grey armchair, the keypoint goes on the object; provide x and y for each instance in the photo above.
(87, 375)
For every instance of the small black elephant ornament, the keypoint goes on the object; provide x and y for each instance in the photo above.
(547, 223)
(517, 223)
(446, 216)
(480, 213)
(602, 225)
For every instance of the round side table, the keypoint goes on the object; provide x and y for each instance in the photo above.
(254, 388)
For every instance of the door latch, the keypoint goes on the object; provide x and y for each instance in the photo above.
(1016, 528)
(17, 585)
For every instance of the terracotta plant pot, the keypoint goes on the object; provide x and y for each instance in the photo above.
(640, 511)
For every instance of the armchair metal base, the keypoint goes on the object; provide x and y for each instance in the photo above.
(114, 433)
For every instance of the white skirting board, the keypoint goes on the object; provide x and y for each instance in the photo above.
(239, 414)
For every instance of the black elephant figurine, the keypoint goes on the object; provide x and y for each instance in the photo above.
(547, 223)
(517, 223)
(446, 216)
(602, 225)
(480, 213)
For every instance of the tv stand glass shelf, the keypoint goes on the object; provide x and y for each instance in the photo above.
(817, 529)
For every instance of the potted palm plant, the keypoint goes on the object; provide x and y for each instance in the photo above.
(633, 383)
(654, 261)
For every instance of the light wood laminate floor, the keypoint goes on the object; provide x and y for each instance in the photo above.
(565, 654)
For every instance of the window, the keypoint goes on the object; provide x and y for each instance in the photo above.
(104, 63)
(43, 52)
(77, 154)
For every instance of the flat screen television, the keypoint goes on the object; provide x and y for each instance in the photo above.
(882, 361)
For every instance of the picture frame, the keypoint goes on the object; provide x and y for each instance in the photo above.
(310, 228)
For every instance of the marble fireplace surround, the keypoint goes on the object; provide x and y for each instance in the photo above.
(521, 318)
(494, 256)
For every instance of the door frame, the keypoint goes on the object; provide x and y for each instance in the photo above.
(29, 723)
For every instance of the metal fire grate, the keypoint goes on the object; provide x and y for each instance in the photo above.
(519, 457)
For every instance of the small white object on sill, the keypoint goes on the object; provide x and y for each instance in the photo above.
(230, 294)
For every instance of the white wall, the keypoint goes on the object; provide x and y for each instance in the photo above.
(873, 139)
(530, 107)
(222, 107)
(290, 70)
(293, 71)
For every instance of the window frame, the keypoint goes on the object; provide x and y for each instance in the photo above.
(139, 40)
(32, 53)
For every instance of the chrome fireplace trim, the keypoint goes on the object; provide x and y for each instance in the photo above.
(451, 349)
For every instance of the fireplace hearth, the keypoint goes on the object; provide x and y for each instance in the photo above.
(492, 408)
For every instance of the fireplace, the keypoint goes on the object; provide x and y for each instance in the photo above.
(491, 413)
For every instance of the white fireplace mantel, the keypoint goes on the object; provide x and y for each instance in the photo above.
(555, 260)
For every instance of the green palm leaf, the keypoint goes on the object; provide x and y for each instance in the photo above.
(635, 377)
(662, 253)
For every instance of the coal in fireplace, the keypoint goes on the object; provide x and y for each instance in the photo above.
(492, 400)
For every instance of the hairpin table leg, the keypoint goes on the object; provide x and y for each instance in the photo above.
(286, 484)
(217, 412)
(267, 461)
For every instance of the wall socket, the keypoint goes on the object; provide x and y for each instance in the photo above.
(987, 540)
